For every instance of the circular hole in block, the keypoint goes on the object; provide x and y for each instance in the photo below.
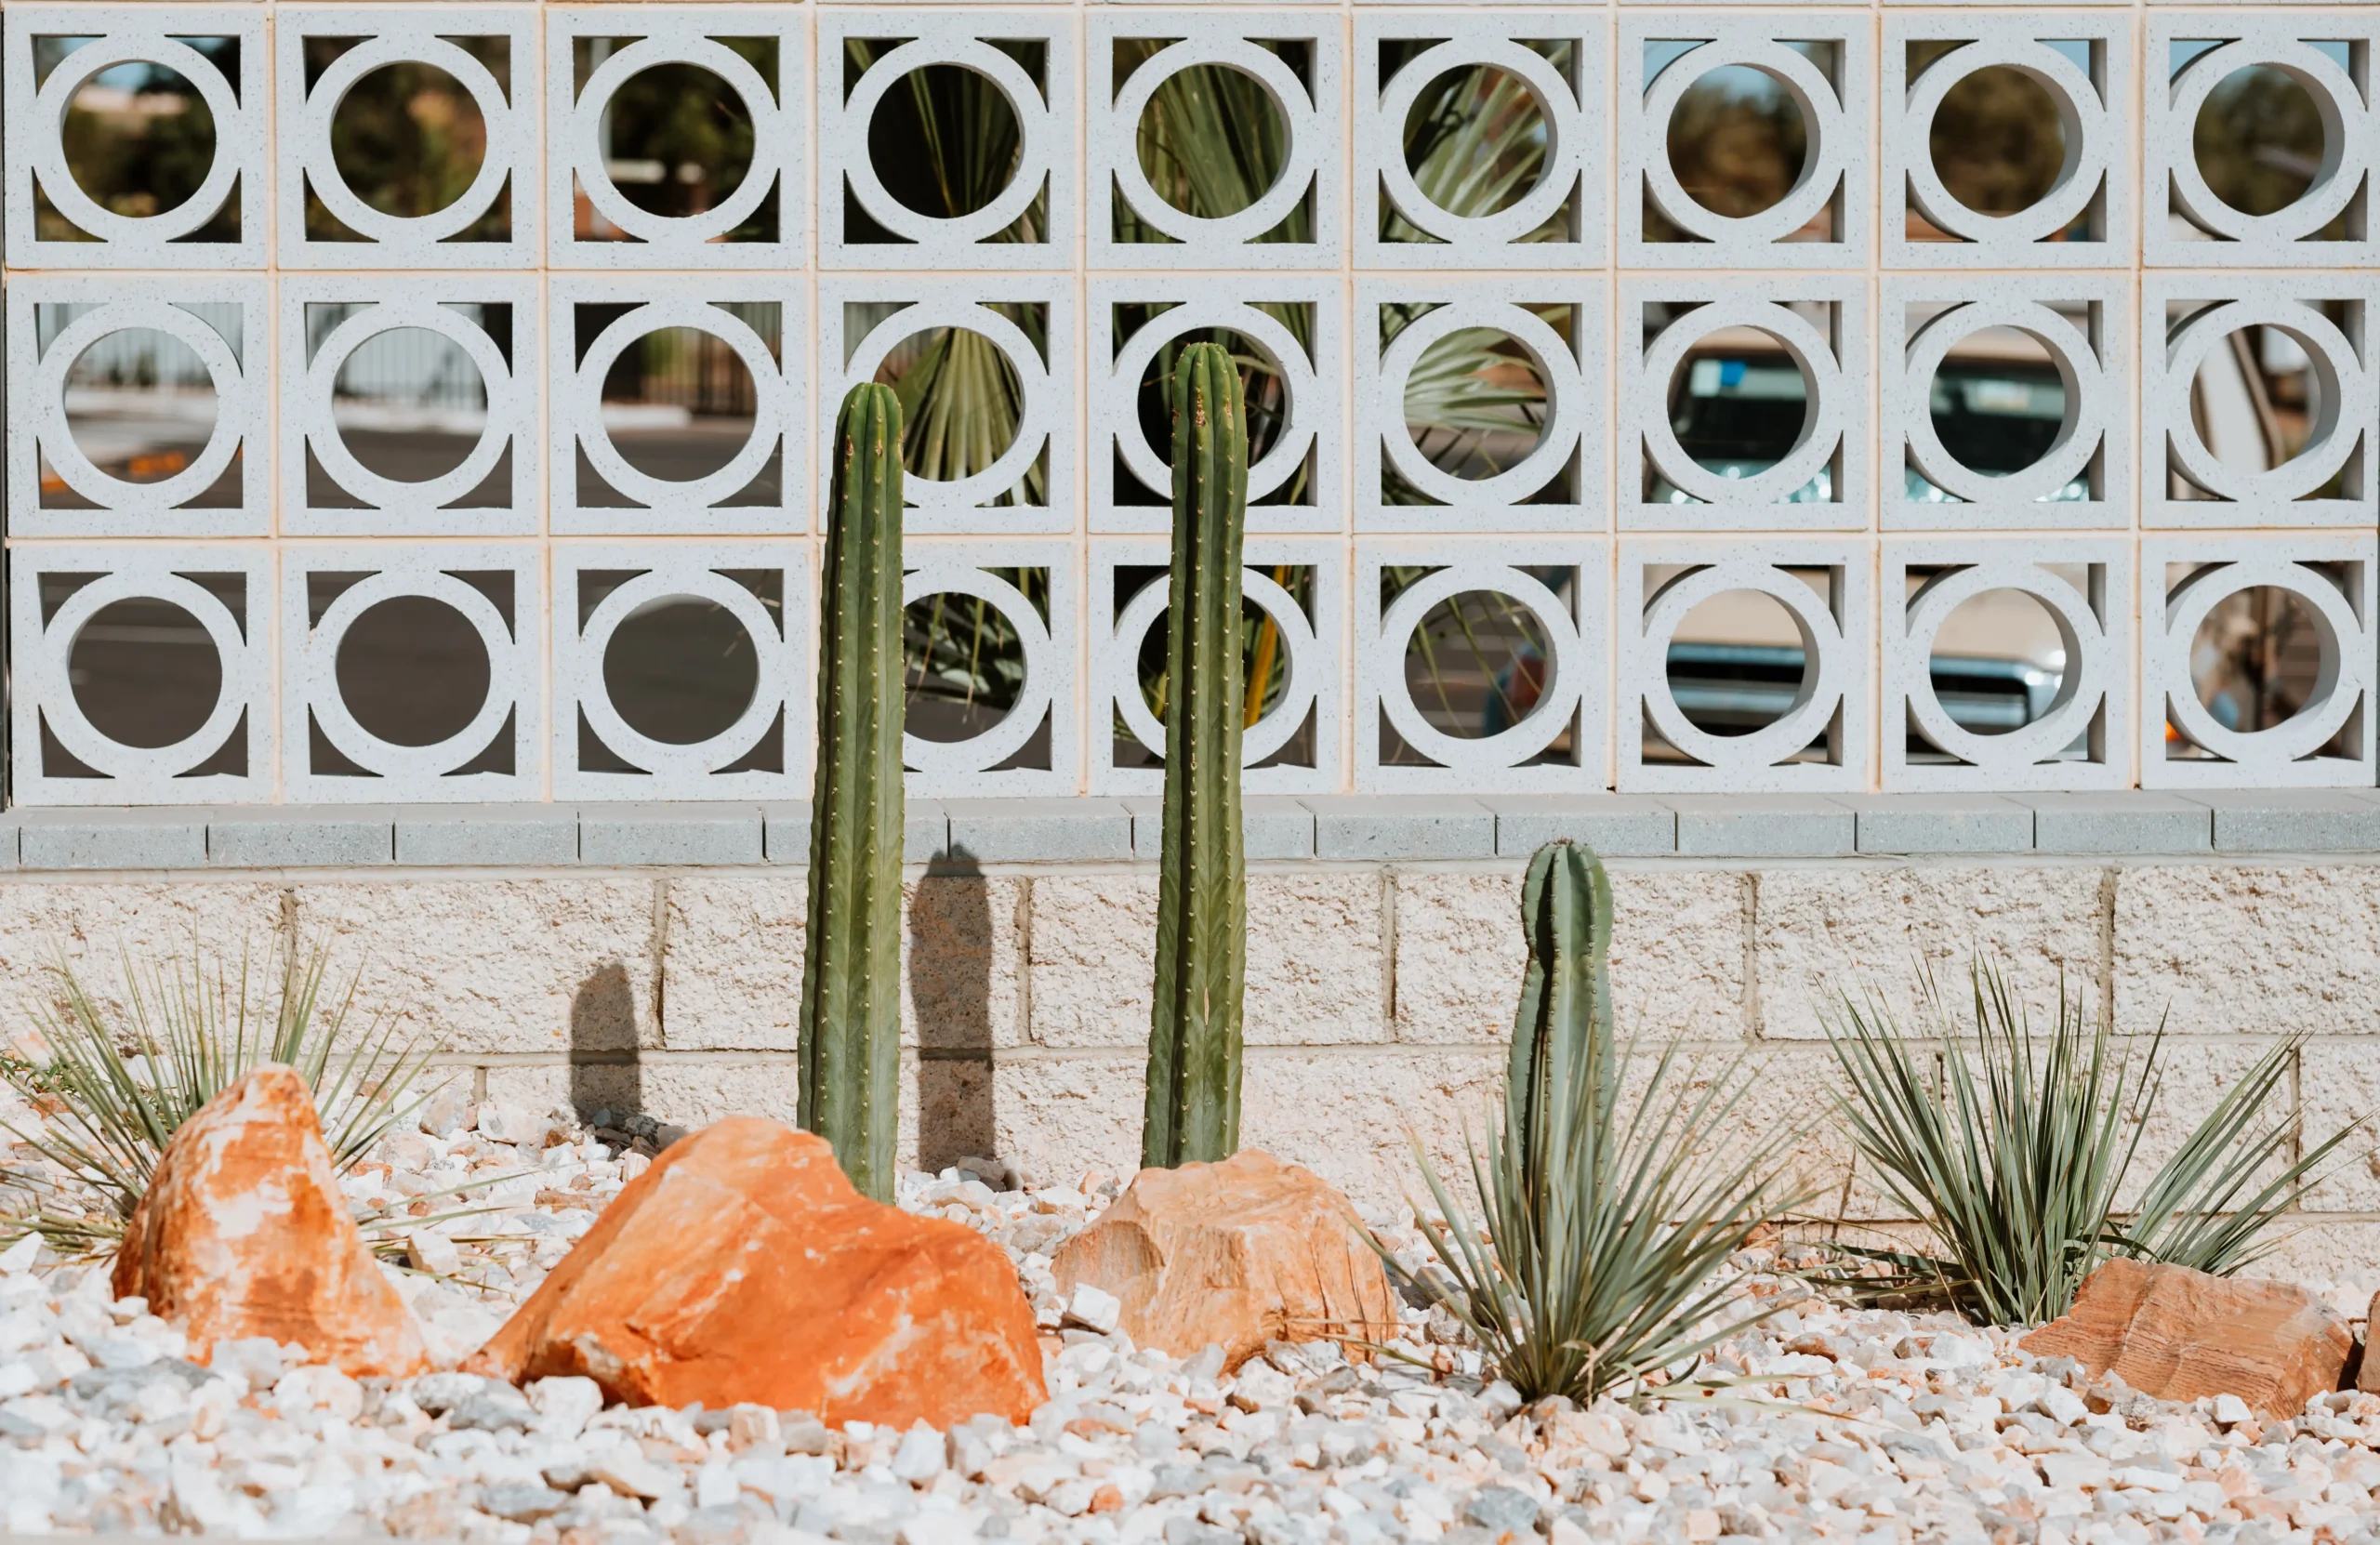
(965, 109)
(1476, 404)
(964, 667)
(1997, 403)
(2258, 140)
(1740, 404)
(1476, 139)
(680, 670)
(412, 671)
(679, 404)
(139, 140)
(1737, 141)
(1997, 662)
(1211, 140)
(681, 139)
(2256, 662)
(1996, 141)
(969, 408)
(1262, 389)
(410, 404)
(1736, 663)
(408, 139)
(140, 405)
(1478, 665)
(1264, 675)
(144, 673)
(2256, 400)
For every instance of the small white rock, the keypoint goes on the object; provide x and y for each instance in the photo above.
(429, 1250)
(921, 1457)
(21, 1257)
(1094, 1309)
(2230, 1410)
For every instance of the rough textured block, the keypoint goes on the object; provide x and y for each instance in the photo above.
(1352, 1116)
(732, 965)
(1275, 825)
(1315, 971)
(2338, 1083)
(1401, 825)
(2134, 821)
(1677, 952)
(1767, 825)
(925, 831)
(2338, 1259)
(1613, 824)
(529, 835)
(1822, 933)
(1039, 831)
(686, 833)
(2293, 821)
(98, 925)
(1940, 824)
(2224, 949)
(556, 965)
(112, 840)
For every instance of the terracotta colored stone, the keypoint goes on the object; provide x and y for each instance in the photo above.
(742, 1267)
(2179, 1334)
(1234, 1255)
(244, 1233)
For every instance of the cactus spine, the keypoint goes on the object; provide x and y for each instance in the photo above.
(1202, 892)
(851, 979)
(1566, 995)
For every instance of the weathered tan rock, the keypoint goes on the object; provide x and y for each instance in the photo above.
(742, 1267)
(1234, 1255)
(244, 1233)
(2179, 1334)
(2367, 1370)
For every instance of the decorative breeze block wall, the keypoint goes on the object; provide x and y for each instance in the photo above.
(1542, 427)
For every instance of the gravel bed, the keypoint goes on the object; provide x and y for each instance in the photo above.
(1824, 1423)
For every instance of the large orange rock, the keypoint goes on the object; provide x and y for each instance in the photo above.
(2179, 1334)
(1234, 1255)
(244, 1233)
(743, 1267)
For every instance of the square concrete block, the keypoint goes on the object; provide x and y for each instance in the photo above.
(98, 924)
(159, 838)
(1940, 824)
(687, 833)
(1273, 825)
(1615, 826)
(2293, 821)
(1763, 825)
(2248, 949)
(308, 838)
(925, 831)
(2127, 821)
(9, 841)
(529, 836)
(1382, 827)
(1350, 1115)
(1039, 831)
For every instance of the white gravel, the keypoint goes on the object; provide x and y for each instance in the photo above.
(1823, 1423)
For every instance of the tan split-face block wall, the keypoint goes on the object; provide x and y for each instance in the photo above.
(1379, 995)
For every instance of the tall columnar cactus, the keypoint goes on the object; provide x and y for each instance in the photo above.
(850, 979)
(1566, 995)
(1202, 891)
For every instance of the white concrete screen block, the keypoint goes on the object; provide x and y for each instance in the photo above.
(2214, 452)
(1021, 326)
(760, 56)
(2326, 54)
(62, 333)
(1447, 214)
(452, 39)
(54, 53)
(336, 749)
(1031, 746)
(867, 59)
(351, 350)
(1722, 337)
(197, 617)
(596, 484)
(1432, 344)
(1822, 64)
(2055, 721)
(2223, 727)
(2082, 64)
(1295, 58)
(1286, 327)
(731, 720)
(1968, 353)
(1811, 738)
(1298, 588)
(1517, 704)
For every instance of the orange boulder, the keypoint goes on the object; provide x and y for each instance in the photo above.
(244, 1233)
(1234, 1255)
(742, 1267)
(2179, 1334)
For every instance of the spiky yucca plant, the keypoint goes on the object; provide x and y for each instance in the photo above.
(1607, 1212)
(117, 1086)
(2015, 1149)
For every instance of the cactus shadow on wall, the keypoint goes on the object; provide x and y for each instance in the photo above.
(951, 986)
(605, 1073)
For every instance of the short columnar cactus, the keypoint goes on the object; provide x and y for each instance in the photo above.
(1202, 896)
(1566, 993)
(851, 979)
